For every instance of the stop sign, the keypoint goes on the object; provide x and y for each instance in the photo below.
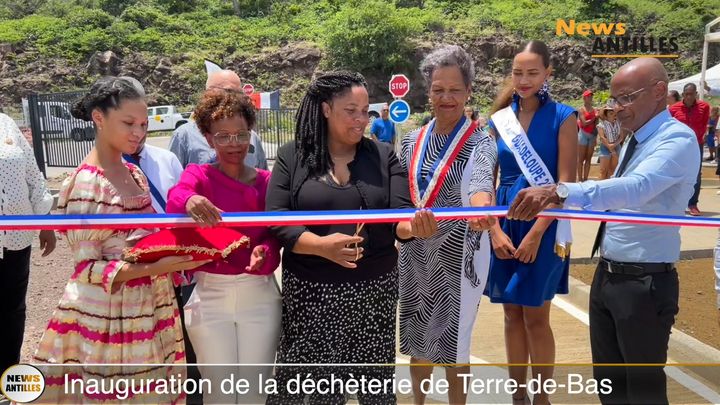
(399, 86)
(248, 89)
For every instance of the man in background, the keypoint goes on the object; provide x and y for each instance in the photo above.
(695, 114)
(190, 146)
(382, 129)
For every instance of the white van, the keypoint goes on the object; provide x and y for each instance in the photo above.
(165, 118)
(55, 118)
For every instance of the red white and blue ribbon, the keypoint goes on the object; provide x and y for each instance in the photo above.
(295, 218)
(425, 189)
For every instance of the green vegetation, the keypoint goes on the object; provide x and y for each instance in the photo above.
(363, 35)
(376, 37)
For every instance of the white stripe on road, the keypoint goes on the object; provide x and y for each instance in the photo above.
(675, 373)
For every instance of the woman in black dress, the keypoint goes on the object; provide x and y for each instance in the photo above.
(339, 281)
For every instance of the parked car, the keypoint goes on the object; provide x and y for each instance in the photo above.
(55, 119)
(165, 118)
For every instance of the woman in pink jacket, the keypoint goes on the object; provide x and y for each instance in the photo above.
(233, 315)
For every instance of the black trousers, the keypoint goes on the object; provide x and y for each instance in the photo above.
(698, 182)
(14, 276)
(630, 321)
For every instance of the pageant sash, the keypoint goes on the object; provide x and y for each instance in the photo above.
(425, 189)
(532, 166)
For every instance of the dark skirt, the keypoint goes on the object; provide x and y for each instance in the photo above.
(336, 323)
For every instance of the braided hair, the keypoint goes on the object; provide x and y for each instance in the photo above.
(106, 93)
(311, 126)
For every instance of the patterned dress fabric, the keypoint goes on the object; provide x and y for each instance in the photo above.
(442, 277)
(99, 321)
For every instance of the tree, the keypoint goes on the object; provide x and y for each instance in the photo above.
(177, 6)
(13, 9)
(116, 7)
(370, 37)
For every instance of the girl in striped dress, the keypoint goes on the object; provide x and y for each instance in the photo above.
(611, 140)
(112, 311)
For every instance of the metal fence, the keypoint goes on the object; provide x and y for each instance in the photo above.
(59, 140)
(275, 127)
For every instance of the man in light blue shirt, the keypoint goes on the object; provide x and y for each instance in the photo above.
(190, 146)
(634, 294)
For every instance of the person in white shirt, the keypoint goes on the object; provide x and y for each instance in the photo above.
(162, 169)
(23, 191)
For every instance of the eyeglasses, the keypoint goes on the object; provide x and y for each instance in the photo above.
(626, 99)
(224, 139)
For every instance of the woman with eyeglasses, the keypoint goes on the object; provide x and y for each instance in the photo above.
(233, 315)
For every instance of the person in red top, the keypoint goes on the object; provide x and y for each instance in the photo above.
(587, 137)
(695, 114)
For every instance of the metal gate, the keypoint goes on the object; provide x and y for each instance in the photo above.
(59, 140)
(275, 127)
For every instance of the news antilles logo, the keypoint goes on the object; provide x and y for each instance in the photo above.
(612, 40)
(22, 383)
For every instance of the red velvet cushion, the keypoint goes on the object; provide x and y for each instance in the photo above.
(201, 243)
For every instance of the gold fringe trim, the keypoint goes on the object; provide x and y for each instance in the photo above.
(132, 256)
(563, 252)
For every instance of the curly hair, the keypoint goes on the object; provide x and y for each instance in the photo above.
(218, 104)
(106, 93)
(447, 56)
(311, 126)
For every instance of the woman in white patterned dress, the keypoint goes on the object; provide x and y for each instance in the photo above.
(450, 164)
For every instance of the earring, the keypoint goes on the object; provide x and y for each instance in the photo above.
(515, 97)
(544, 93)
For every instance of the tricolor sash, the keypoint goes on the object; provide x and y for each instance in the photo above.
(425, 189)
(532, 166)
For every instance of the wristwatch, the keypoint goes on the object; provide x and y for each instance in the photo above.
(562, 192)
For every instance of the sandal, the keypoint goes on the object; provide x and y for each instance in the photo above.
(521, 401)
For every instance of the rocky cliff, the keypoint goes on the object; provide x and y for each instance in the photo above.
(178, 79)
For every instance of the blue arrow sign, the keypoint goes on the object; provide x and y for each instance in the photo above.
(399, 111)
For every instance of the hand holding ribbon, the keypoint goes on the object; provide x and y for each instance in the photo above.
(531, 201)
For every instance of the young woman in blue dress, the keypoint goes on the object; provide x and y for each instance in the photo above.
(528, 267)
